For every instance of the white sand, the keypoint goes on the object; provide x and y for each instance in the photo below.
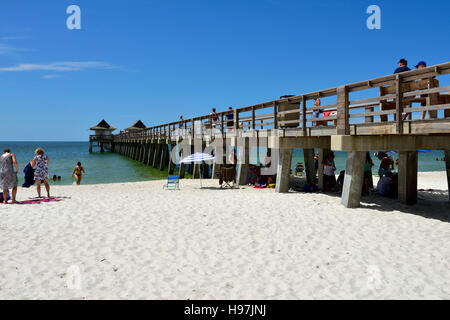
(136, 241)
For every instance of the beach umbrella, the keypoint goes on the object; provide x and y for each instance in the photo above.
(198, 157)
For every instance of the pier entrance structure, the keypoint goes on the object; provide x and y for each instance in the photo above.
(378, 114)
(102, 137)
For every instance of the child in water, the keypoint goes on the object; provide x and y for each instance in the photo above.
(77, 171)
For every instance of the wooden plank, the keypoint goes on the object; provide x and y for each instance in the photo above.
(253, 119)
(427, 91)
(374, 99)
(342, 111)
(427, 108)
(275, 115)
(304, 115)
(399, 103)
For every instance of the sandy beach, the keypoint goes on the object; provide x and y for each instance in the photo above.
(138, 241)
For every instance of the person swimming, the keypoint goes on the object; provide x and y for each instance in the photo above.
(78, 172)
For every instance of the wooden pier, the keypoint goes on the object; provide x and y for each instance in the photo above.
(103, 137)
(363, 116)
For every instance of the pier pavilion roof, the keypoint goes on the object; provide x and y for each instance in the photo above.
(137, 125)
(103, 125)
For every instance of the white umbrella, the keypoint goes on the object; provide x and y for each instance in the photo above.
(198, 157)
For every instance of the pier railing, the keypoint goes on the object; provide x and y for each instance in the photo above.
(382, 105)
(101, 137)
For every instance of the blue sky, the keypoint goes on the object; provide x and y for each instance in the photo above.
(154, 60)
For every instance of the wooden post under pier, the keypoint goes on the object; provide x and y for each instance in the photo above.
(354, 178)
(407, 177)
(283, 170)
(447, 167)
(156, 155)
(308, 155)
(243, 161)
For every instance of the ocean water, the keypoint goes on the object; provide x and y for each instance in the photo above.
(110, 167)
(426, 162)
(100, 167)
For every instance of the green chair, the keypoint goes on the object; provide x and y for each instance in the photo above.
(173, 182)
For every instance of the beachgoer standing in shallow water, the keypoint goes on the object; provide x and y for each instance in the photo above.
(8, 178)
(40, 163)
(77, 171)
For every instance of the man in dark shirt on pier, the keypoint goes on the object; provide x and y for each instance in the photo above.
(402, 66)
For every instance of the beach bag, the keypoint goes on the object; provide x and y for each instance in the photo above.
(1, 197)
(309, 188)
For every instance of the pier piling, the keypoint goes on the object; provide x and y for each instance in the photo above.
(354, 177)
(407, 177)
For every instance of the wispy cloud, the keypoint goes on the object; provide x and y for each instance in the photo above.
(59, 66)
(50, 76)
(9, 50)
(12, 38)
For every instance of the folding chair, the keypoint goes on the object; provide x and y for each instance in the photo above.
(227, 175)
(173, 182)
(299, 169)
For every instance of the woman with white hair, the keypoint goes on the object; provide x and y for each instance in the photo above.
(40, 163)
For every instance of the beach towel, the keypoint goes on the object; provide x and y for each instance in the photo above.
(37, 201)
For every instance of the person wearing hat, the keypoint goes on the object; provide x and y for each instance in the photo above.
(402, 66)
(422, 65)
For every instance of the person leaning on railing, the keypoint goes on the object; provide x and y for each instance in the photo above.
(422, 65)
(402, 67)
(316, 112)
(230, 118)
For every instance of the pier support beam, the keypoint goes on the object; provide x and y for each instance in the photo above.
(447, 167)
(90, 146)
(243, 161)
(196, 170)
(308, 155)
(143, 153)
(171, 161)
(182, 166)
(283, 170)
(156, 155)
(407, 177)
(164, 155)
(354, 178)
(322, 154)
(151, 151)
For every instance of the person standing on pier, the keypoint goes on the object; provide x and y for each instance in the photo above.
(402, 66)
(214, 117)
(41, 162)
(316, 112)
(422, 65)
(230, 117)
